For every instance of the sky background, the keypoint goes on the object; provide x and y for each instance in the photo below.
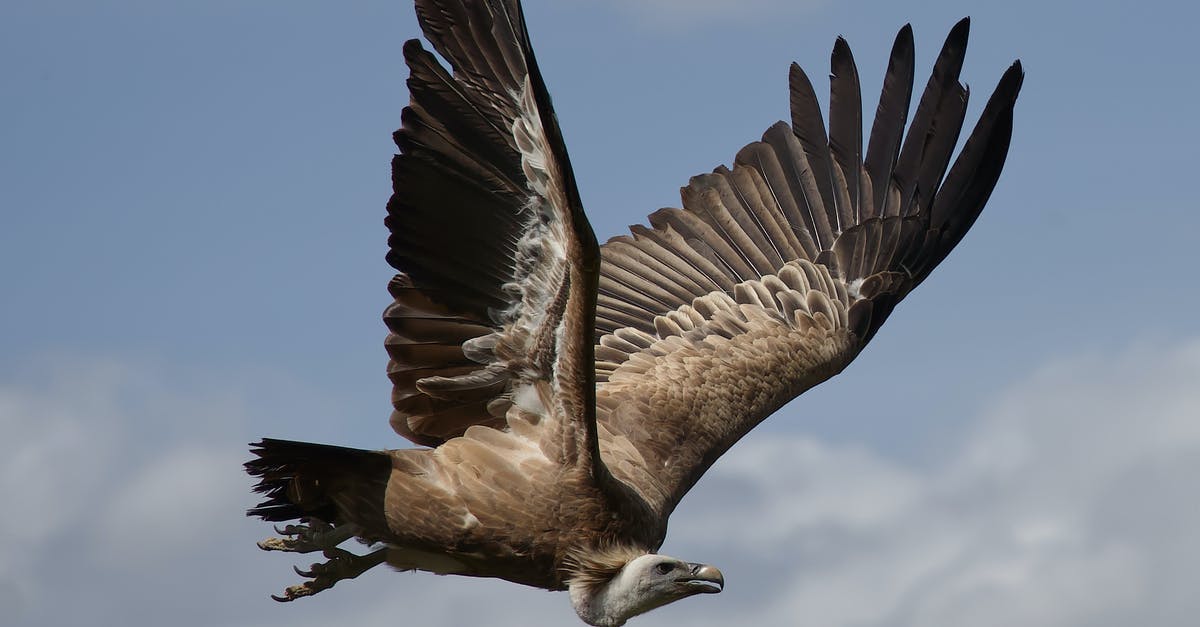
(191, 257)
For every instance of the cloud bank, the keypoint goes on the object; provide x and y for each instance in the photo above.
(1070, 502)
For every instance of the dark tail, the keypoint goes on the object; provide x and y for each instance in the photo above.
(333, 484)
(334, 493)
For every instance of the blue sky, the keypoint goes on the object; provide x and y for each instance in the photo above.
(191, 252)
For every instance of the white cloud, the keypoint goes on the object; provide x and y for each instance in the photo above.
(106, 467)
(1070, 502)
(47, 427)
(168, 504)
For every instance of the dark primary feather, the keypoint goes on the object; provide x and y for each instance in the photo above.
(845, 126)
(890, 116)
(809, 128)
(974, 175)
(927, 125)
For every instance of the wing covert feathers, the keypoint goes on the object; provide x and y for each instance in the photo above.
(488, 233)
(777, 271)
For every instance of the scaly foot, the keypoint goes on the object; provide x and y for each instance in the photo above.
(342, 564)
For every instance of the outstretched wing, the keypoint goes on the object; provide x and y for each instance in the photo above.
(495, 299)
(778, 271)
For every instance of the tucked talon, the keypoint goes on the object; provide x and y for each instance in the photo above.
(313, 536)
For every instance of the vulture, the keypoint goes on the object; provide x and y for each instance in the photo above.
(565, 395)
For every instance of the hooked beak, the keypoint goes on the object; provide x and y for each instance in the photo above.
(702, 578)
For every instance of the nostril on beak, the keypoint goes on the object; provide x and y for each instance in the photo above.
(705, 573)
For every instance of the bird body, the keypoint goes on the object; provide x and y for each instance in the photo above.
(566, 394)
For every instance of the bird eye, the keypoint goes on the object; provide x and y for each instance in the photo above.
(663, 568)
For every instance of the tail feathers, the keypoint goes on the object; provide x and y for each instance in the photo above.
(304, 481)
(335, 493)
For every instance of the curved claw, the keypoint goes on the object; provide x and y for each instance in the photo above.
(342, 564)
(295, 592)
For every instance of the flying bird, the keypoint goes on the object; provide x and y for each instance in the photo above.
(566, 395)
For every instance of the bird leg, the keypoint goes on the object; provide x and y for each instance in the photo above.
(342, 564)
(311, 535)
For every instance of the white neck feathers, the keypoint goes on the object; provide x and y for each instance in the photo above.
(611, 603)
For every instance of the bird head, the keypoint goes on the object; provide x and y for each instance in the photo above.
(644, 583)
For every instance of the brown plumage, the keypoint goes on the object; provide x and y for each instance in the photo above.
(568, 394)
